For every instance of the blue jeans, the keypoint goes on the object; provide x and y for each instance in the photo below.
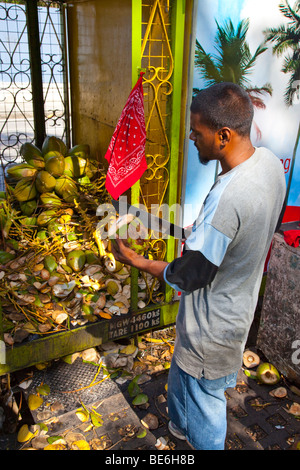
(198, 407)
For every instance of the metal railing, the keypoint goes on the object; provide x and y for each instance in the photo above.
(33, 76)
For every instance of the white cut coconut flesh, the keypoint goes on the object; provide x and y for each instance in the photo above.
(250, 359)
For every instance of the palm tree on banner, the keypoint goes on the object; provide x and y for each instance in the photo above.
(232, 62)
(286, 38)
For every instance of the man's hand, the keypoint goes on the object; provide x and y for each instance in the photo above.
(126, 255)
(123, 253)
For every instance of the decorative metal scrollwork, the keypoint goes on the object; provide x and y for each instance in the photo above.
(16, 94)
(158, 63)
(16, 114)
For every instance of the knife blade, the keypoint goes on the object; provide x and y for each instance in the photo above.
(150, 221)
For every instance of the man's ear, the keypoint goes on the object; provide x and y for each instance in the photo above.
(224, 136)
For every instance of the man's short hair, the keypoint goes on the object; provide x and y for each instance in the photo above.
(225, 105)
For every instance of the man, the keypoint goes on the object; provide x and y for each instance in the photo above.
(221, 269)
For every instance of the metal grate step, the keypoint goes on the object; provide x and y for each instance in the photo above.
(64, 380)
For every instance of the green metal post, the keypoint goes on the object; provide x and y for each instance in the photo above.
(136, 25)
(36, 71)
(177, 40)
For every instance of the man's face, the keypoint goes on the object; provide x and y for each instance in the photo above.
(204, 139)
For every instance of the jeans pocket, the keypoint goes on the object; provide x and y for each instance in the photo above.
(230, 380)
(221, 383)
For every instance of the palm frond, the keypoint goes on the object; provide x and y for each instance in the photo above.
(290, 12)
(232, 60)
(260, 50)
(287, 38)
(206, 65)
(292, 90)
(195, 92)
(266, 89)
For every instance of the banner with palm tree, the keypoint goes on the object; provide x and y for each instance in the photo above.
(254, 44)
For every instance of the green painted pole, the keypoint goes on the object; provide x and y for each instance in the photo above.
(177, 41)
(136, 27)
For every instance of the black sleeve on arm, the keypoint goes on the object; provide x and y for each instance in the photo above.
(191, 271)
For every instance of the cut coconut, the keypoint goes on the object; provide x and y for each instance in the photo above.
(24, 434)
(111, 264)
(100, 303)
(92, 269)
(62, 290)
(122, 274)
(161, 444)
(113, 287)
(150, 421)
(294, 409)
(250, 359)
(59, 317)
(279, 392)
(267, 373)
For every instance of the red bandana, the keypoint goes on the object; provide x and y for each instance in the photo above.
(126, 151)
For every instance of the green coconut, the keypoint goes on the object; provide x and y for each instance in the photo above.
(74, 166)
(45, 182)
(66, 188)
(54, 143)
(52, 153)
(91, 257)
(32, 155)
(54, 227)
(80, 150)
(76, 260)
(84, 180)
(91, 168)
(113, 287)
(45, 217)
(55, 165)
(267, 373)
(87, 309)
(28, 207)
(50, 263)
(5, 257)
(21, 170)
(50, 199)
(42, 235)
(30, 221)
(71, 236)
(25, 190)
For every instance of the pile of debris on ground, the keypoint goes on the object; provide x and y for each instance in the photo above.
(131, 364)
(128, 364)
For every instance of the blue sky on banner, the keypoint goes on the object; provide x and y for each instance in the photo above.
(278, 124)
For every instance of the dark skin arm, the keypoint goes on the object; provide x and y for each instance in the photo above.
(126, 255)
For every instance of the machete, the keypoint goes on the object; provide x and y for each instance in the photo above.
(151, 221)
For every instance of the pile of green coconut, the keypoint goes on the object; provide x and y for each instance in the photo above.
(56, 272)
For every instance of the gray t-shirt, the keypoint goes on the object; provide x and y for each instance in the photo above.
(233, 233)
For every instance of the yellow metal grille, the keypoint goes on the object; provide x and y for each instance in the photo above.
(158, 64)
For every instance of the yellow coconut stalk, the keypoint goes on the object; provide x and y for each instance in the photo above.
(100, 244)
